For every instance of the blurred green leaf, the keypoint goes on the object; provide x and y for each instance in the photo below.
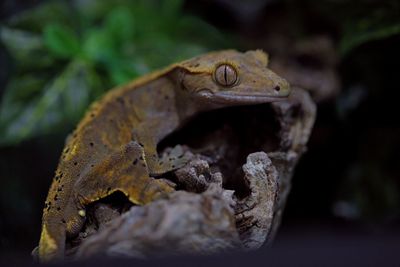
(120, 24)
(26, 48)
(121, 73)
(67, 52)
(359, 22)
(26, 86)
(17, 94)
(172, 8)
(94, 10)
(365, 32)
(20, 42)
(98, 47)
(61, 103)
(35, 19)
(61, 40)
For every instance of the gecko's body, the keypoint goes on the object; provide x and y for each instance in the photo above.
(115, 146)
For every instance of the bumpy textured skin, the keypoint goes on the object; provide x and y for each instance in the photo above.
(114, 147)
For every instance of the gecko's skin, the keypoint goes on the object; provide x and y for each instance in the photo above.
(114, 147)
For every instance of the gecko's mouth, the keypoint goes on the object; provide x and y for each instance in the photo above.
(227, 136)
(239, 99)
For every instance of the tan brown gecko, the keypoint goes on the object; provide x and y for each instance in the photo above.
(114, 147)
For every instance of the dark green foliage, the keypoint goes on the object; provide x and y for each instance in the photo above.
(66, 54)
(361, 21)
(371, 24)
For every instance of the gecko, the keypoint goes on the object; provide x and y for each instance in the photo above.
(114, 147)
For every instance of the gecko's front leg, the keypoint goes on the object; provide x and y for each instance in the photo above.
(125, 171)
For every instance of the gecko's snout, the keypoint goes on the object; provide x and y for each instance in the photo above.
(282, 88)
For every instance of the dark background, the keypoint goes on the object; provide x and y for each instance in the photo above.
(345, 200)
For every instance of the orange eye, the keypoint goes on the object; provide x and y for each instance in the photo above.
(225, 75)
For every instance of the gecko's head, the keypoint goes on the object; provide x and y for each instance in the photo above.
(232, 78)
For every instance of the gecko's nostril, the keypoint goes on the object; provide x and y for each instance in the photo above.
(277, 88)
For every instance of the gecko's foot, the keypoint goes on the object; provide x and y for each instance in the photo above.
(197, 176)
(173, 159)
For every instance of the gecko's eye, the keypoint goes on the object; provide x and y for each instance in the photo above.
(225, 75)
